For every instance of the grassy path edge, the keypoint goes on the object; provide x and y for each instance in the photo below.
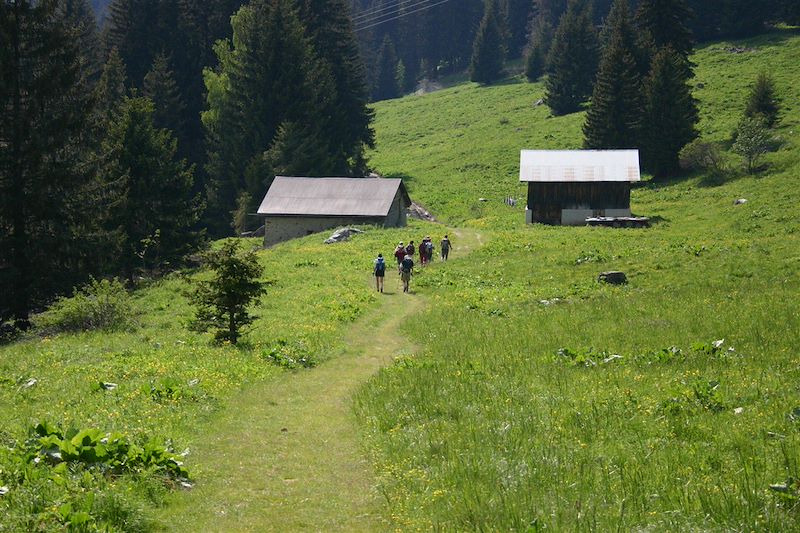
(286, 455)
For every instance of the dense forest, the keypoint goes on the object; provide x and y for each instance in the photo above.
(132, 130)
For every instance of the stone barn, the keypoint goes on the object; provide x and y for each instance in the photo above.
(568, 186)
(295, 207)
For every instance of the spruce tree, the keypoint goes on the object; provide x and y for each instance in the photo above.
(541, 38)
(518, 14)
(80, 18)
(152, 210)
(111, 88)
(573, 60)
(328, 25)
(614, 116)
(160, 87)
(268, 77)
(44, 109)
(488, 50)
(386, 82)
(665, 24)
(670, 114)
(223, 301)
(762, 100)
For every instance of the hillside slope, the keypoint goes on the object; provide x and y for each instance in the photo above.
(461, 144)
(544, 400)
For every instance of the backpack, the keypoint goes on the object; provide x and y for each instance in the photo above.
(380, 267)
(407, 264)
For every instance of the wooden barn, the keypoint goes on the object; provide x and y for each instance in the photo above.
(295, 206)
(568, 186)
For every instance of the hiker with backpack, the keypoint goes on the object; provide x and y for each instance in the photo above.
(428, 250)
(445, 248)
(423, 254)
(379, 269)
(406, 268)
(410, 249)
(399, 254)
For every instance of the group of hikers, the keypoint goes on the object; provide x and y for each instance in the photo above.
(404, 255)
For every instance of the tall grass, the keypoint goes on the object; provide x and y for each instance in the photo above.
(159, 380)
(538, 398)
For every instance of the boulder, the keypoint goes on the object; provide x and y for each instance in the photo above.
(342, 234)
(614, 277)
(255, 233)
(417, 211)
(740, 201)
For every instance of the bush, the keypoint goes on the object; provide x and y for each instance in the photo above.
(703, 156)
(101, 304)
(223, 302)
(752, 141)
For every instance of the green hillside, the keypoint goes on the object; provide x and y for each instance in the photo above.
(501, 412)
(540, 399)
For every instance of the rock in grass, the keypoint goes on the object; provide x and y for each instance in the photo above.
(740, 201)
(614, 277)
(341, 235)
(3, 491)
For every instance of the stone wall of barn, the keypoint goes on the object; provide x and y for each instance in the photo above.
(280, 229)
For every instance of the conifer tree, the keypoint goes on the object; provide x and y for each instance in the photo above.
(665, 24)
(328, 25)
(80, 18)
(614, 116)
(573, 60)
(269, 76)
(670, 114)
(518, 13)
(44, 109)
(762, 100)
(488, 51)
(160, 87)
(111, 88)
(152, 209)
(386, 82)
(541, 38)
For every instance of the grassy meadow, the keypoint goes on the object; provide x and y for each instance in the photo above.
(171, 382)
(539, 399)
(530, 397)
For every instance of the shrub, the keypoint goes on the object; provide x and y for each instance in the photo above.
(762, 102)
(100, 304)
(222, 303)
(752, 141)
(703, 156)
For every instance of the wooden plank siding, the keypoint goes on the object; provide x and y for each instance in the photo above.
(546, 200)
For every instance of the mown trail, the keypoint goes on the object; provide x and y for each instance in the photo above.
(285, 455)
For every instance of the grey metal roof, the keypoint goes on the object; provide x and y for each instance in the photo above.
(363, 197)
(579, 165)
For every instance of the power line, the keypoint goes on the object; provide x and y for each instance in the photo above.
(369, 12)
(394, 12)
(368, 26)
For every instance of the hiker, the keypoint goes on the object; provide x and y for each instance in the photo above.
(410, 249)
(399, 254)
(405, 271)
(429, 249)
(379, 269)
(445, 247)
(422, 253)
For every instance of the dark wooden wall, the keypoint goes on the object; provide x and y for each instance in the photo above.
(547, 199)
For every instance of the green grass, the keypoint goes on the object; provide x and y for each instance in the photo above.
(488, 428)
(481, 424)
(315, 292)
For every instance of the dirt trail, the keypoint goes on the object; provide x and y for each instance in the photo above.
(285, 455)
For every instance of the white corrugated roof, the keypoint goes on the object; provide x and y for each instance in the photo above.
(579, 165)
(366, 197)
